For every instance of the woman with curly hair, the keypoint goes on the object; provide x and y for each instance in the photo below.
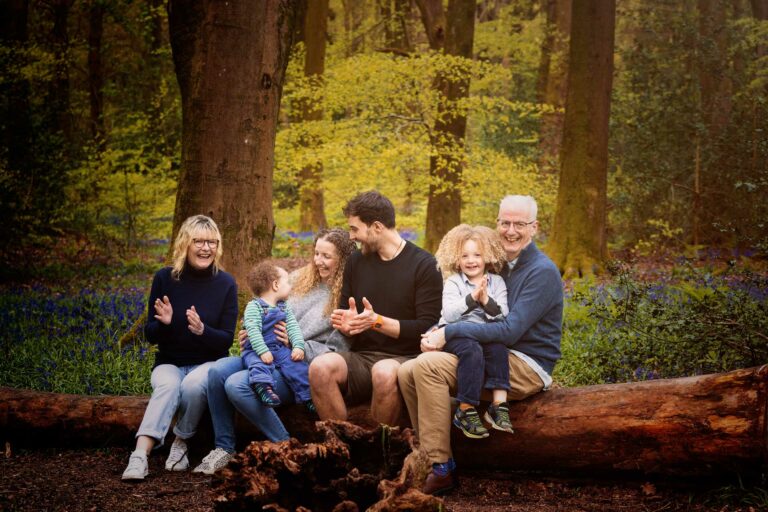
(467, 257)
(316, 292)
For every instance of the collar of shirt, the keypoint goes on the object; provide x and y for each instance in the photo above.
(511, 264)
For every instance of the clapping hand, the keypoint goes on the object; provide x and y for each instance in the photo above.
(196, 325)
(163, 310)
(480, 294)
(340, 318)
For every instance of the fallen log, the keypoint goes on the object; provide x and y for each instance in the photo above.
(704, 425)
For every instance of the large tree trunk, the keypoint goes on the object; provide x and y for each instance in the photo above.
(230, 61)
(447, 160)
(553, 81)
(701, 425)
(311, 204)
(578, 244)
(96, 71)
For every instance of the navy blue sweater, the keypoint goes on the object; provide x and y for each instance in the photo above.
(215, 300)
(534, 324)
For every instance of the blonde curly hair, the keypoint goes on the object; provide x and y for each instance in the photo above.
(194, 225)
(448, 254)
(307, 277)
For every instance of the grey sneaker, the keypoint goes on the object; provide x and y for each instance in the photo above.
(137, 466)
(177, 458)
(468, 421)
(214, 461)
(498, 417)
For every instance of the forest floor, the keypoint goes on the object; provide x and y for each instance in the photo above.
(89, 480)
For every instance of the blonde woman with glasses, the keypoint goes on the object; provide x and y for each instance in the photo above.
(192, 315)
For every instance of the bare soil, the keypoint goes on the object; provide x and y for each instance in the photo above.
(89, 480)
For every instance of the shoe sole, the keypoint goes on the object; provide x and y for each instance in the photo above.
(487, 417)
(469, 434)
(133, 478)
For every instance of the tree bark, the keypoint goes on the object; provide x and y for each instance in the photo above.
(14, 112)
(553, 81)
(760, 9)
(230, 61)
(96, 72)
(578, 244)
(58, 90)
(447, 138)
(311, 204)
(705, 425)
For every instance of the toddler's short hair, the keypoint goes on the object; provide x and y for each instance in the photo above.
(261, 276)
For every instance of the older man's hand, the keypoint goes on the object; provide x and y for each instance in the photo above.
(433, 340)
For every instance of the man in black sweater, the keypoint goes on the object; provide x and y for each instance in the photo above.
(391, 294)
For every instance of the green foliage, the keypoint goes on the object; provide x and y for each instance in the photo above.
(690, 323)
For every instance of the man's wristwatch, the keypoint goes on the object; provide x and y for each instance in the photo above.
(379, 322)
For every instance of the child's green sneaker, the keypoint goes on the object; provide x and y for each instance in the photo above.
(498, 417)
(468, 421)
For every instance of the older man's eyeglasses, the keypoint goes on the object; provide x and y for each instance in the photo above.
(200, 243)
(519, 225)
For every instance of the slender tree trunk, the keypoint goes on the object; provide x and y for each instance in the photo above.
(553, 81)
(14, 112)
(58, 91)
(716, 90)
(578, 244)
(447, 138)
(760, 9)
(230, 61)
(96, 71)
(152, 92)
(354, 14)
(393, 14)
(311, 205)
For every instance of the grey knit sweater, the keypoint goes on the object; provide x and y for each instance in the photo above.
(319, 336)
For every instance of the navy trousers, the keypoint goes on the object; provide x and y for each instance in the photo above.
(481, 365)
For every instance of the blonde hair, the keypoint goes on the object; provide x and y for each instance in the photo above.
(448, 254)
(183, 240)
(307, 277)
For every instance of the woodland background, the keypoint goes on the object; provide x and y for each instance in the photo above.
(640, 126)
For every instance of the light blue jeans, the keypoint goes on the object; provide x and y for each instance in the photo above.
(228, 390)
(182, 388)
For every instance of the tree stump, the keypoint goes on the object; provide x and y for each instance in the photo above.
(346, 468)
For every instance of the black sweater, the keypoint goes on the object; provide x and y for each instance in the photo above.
(215, 300)
(408, 288)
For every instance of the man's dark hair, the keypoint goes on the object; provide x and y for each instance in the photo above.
(370, 207)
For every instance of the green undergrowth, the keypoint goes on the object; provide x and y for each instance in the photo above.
(61, 335)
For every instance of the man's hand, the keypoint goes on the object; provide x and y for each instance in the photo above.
(163, 310)
(362, 321)
(281, 333)
(340, 318)
(297, 354)
(267, 357)
(433, 340)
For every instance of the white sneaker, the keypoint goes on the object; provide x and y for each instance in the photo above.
(137, 466)
(177, 458)
(214, 461)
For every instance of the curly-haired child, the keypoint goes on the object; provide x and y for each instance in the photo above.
(270, 286)
(466, 257)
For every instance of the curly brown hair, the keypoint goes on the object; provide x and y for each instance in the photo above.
(261, 276)
(307, 277)
(448, 253)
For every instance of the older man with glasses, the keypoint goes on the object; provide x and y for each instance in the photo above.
(531, 331)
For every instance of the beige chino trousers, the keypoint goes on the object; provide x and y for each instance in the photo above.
(427, 384)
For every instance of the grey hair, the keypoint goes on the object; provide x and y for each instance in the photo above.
(513, 201)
